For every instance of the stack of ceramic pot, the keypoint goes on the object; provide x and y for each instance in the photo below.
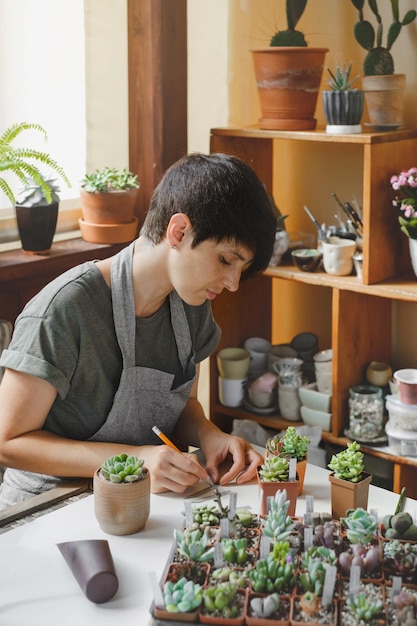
(290, 379)
(401, 426)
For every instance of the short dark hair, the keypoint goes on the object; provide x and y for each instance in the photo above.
(224, 199)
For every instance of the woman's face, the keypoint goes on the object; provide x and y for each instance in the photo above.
(203, 272)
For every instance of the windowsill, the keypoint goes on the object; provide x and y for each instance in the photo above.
(16, 245)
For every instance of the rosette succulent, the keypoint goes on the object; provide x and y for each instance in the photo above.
(123, 468)
(348, 464)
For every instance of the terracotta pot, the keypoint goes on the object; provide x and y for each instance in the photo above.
(267, 489)
(301, 472)
(288, 81)
(384, 96)
(121, 508)
(109, 233)
(37, 227)
(113, 207)
(346, 495)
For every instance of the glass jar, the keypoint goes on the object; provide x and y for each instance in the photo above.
(366, 412)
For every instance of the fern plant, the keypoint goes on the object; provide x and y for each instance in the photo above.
(25, 162)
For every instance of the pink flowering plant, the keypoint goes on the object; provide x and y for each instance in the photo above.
(406, 184)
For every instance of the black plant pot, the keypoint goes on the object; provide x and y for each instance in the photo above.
(343, 109)
(37, 227)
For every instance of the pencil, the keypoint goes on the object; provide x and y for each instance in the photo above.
(164, 438)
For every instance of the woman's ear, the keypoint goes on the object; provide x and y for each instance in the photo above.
(178, 226)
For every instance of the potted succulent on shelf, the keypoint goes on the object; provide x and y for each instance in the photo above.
(348, 480)
(342, 104)
(122, 488)
(108, 198)
(383, 88)
(288, 75)
(294, 445)
(38, 215)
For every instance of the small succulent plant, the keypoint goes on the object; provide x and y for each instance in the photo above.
(123, 468)
(265, 606)
(195, 544)
(222, 600)
(294, 444)
(276, 572)
(379, 60)
(368, 558)
(274, 469)
(109, 179)
(348, 464)
(340, 79)
(313, 564)
(278, 525)
(182, 596)
(364, 608)
(291, 36)
(361, 526)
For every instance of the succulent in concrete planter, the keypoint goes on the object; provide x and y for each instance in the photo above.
(122, 489)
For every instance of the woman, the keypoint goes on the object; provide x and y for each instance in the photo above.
(111, 348)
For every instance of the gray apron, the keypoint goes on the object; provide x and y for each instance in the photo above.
(144, 397)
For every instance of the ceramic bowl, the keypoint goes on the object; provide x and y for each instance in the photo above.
(311, 417)
(314, 399)
(306, 259)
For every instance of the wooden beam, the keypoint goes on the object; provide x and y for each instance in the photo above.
(157, 65)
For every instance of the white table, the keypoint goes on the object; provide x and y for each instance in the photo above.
(37, 587)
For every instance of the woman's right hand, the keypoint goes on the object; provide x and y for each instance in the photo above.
(171, 470)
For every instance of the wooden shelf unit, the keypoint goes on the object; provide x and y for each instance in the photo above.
(360, 315)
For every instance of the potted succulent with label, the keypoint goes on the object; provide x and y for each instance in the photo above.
(122, 488)
(288, 75)
(37, 218)
(294, 445)
(108, 199)
(349, 483)
(273, 477)
(342, 104)
(383, 88)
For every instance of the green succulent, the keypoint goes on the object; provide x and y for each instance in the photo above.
(275, 469)
(265, 606)
(122, 468)
(379, 60)
(294, 444)
(361, 527)
(276, 572)
(109, 179)
(291, 37)
(33, 193)
(340, 79)
(182, 596)
(278, 525)
(363, 608)
(194, 544)
(24, 162)
(220, 600)
(348, 464)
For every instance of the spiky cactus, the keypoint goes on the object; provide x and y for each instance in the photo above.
(122, 468)
(291, 36)
(379, 60)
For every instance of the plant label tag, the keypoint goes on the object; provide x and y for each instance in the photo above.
(264, 547)
(397, 582)
(232, 505)
(292, 469)
(328, 586)
(354, 580)
(309, 509)
(218, 555)
(156, 590)
(188, 514)
(308, 538)
(224, 527)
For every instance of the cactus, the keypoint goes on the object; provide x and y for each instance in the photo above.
(278, 525)
(291, 36)
(379, 60)
(361, 526)
(348, 464)
(122, 468)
